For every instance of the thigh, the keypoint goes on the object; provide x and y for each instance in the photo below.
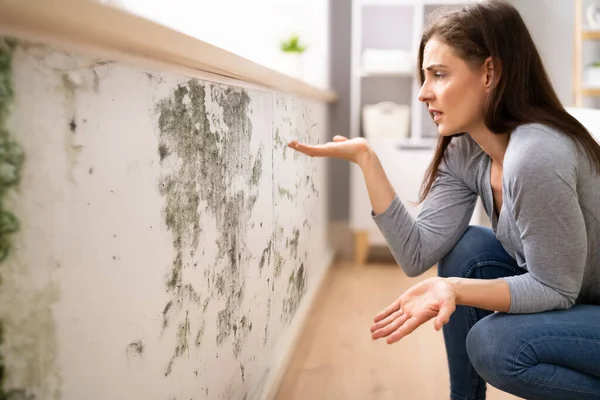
(478, 254)
(556, 352)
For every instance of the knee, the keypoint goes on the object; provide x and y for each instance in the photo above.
(467, 249)
(492, 351)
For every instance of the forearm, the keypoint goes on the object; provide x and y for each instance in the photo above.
(381, 191)
(488, 294)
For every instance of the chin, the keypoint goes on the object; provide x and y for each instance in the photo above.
(443, 131)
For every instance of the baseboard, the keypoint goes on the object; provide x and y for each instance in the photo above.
(287, 343)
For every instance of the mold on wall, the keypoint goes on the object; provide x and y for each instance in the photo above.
(168, 237)
(11, 161)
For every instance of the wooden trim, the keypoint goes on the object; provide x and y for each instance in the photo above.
(591, 35)
(591, 92)
(97, 27)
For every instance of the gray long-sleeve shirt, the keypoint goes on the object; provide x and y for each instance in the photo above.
(549, 221)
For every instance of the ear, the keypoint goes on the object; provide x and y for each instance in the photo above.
(491, 73)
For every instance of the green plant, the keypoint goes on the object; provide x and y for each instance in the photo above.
(292, 45)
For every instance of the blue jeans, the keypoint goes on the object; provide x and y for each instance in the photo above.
(547, 356)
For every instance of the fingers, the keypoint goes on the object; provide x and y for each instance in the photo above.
(308, 150)
(386, 321)
(395, 306)
(338, 138)
(405, 329)
(391, 326)
(320, 150)
(444, 314)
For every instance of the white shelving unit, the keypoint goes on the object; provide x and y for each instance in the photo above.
(396, 25)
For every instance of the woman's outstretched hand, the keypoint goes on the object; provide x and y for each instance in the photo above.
(356, 150)
(434, 297)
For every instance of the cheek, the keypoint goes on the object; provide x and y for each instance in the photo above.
(464, 102)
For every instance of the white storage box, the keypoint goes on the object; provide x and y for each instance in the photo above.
(386, 120)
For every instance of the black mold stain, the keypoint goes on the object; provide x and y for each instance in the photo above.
(136, 347)
(183, 331)
(204, 181)
(184, 293)
(266, 254)
(18, 394)
(200, 334)
(165, 313)
(296, 291)
(163, 151)
(12, 158)
(292, 244)
(283, 192)
(256, 169)
(243, 375)
(96, 84)
(73, 125)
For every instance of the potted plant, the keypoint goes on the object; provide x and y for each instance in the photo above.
(292, 50)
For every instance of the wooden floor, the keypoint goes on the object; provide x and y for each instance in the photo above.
(336, 358)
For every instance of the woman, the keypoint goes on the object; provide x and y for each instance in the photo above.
(505, 137)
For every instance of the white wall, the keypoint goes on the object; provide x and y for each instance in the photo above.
(169, 241)
(252, 29)
(552, 25)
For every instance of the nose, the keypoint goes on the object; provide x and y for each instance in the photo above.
(425, 93)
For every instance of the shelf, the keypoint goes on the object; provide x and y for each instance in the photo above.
(446, 2)
(591, 91)
(405, 3)
(402, 143)
(376, 74)
(590, 34)
(420, 144)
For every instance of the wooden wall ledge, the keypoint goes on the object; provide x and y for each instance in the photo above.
(96, 27)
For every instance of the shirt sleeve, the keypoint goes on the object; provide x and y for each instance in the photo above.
(541, 180)
(417, 244)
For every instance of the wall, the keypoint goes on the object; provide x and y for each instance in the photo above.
(251, 29)
(552, 25)
(168, 242)
(340, 59)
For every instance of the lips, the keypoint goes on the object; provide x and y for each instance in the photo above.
(436, 114)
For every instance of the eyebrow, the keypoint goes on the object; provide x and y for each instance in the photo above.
(431, 66)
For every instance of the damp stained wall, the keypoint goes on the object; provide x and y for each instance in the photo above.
(167, 236)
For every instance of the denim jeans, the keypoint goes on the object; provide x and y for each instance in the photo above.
(546, 356)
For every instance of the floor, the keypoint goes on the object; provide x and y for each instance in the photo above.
(336, 358)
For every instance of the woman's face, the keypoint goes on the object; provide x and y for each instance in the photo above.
(453, 91)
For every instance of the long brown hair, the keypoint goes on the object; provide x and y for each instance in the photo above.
(523, 94)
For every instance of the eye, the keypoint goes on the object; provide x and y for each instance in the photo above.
(439, 75)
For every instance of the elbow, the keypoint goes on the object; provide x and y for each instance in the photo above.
(413, 269)
(412, 272)
(567, 302)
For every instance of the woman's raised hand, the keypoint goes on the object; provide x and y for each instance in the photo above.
(356, 150)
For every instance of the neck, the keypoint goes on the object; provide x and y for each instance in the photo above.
(494, 145)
